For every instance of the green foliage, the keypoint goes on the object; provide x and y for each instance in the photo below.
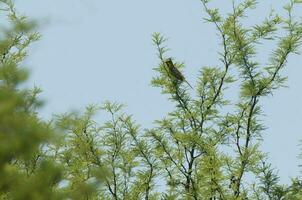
(188, 136)
(24, 172)
(113, 156)
(207, 147)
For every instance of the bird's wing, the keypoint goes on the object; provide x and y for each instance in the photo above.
(173, 70)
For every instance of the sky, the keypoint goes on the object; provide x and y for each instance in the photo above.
(97, 50)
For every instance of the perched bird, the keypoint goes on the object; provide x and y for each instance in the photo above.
(175, 72)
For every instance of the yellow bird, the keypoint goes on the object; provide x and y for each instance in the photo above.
(175, 72)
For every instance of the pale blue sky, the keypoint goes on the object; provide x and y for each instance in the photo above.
(97, 50)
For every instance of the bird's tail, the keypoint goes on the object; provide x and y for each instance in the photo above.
(189, 84)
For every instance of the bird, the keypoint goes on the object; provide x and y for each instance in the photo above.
(175, 72)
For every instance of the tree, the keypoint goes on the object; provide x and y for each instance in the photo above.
(206, 152)
(27, 160)
(24, 172)
(116, 147)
